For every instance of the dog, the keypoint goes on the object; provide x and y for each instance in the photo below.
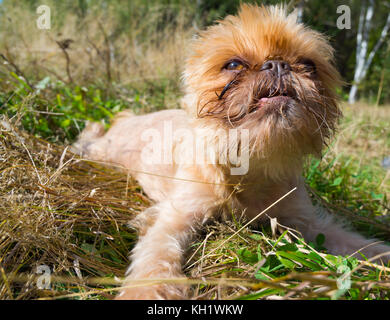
(259, 97)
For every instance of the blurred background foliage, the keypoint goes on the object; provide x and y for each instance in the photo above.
(100, 57)
(124, 41)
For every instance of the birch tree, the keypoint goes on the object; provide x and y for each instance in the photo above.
(363, 58)
(300, 8)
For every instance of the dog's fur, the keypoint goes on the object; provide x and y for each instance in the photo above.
(289, 106)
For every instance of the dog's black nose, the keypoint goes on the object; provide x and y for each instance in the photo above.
(278, 67)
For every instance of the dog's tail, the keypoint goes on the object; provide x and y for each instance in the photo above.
(91, 132)
(89, 144)
(122, 115)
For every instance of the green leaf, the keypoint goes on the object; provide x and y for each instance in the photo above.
(337, 181)
(259, 255)
(261, 275)
(288, 247)
(105, 111)
(287, 263)
(377, 196)
(248, 256)
(299, 258)
(65, 123)
(315, 257)
(279, 239)
(256, 236)
(320, 239)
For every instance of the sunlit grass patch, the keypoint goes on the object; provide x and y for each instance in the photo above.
(58, 211)
(72, 215)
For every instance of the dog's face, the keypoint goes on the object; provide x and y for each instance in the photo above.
(262, 71)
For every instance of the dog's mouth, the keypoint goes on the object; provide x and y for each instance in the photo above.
(283, 99)
(276, 100)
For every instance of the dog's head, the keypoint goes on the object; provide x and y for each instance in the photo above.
(263, 71)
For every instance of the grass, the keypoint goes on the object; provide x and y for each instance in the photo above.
(52, 214)
(57, 112)
(72, 215)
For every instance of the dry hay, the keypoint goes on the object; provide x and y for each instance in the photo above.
(60, 211)
(71, 215)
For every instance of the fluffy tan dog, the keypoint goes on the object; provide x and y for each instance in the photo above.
(259, 97)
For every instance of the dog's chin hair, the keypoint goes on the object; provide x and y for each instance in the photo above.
(278, 143)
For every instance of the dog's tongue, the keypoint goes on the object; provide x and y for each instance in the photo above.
(274, 100)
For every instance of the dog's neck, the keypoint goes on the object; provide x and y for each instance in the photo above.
(257, 190)
(265, 174)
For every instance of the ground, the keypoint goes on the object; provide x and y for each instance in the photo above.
(71, 215)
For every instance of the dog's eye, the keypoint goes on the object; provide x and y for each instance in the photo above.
(234, 65)
(308, 64)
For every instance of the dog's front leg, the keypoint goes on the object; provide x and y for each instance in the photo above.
(159, 252)
(339, 239)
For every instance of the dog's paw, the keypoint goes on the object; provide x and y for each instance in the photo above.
(91, 132)
(379, 253)
(153, 292)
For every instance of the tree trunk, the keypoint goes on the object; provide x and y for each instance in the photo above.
(363, 61)
(353, 94)
(300, 8)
